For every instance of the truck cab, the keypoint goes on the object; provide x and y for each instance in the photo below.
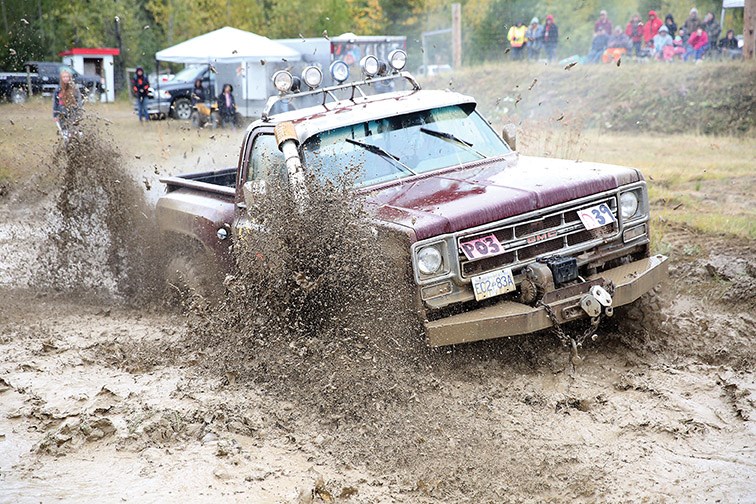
(499, 244)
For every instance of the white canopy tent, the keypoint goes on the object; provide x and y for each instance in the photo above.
(244, 59)
(730, 4)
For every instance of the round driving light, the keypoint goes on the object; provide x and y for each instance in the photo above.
(429, 260)
(397, 59)
(282, 80)
(628, 204)
(369, 65)
(339, 71)
(312, 76)
(222, 233)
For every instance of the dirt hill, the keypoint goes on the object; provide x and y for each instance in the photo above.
(712, 98)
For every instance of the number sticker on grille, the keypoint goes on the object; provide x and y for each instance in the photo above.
(483, 246)
(596, 216)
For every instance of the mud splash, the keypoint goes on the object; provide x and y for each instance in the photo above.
(99, 232)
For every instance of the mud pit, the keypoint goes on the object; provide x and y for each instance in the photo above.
(102, 401)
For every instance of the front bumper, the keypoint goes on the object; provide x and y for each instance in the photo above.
(509, 318)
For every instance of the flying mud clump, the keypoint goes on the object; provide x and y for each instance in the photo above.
(99, 234)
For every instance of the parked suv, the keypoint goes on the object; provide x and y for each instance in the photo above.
(174, 98)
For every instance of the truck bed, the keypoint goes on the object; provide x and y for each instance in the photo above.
(218, 181)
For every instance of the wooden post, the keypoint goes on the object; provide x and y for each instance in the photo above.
(457, 34)
(749, 29)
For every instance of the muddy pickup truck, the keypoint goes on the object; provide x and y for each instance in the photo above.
(500, 244)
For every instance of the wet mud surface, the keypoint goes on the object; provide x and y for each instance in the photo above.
(109, 395)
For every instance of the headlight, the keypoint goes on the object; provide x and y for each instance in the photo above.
(397, 59)
(339, 71)
(429, 260)
(312, 76)
(369, 65)
(282, 80)
(629, 204)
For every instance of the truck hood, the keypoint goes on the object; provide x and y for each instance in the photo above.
(488, 191)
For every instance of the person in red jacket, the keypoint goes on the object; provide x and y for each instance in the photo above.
(651, 28)
(697, 44)
(634, 30)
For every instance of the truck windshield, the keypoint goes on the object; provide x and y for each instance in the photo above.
(422, 141)
(190, 73)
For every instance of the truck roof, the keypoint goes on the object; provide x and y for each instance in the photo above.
(313, 120)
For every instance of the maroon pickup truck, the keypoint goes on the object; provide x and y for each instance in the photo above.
(500, 244)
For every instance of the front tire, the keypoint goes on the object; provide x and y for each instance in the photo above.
(182, 109)
(18, 95)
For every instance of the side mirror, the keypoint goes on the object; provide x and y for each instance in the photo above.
(509, 134)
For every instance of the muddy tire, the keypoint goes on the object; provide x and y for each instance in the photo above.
(182, 109)
(18, 95)
(196, 120)
(193, 276)
(641, 323)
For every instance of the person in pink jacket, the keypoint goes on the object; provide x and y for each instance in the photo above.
(697, 44)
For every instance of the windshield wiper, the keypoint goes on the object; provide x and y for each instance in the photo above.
(453, 139)
(380, 151)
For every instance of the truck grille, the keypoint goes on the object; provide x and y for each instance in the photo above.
(547, 235)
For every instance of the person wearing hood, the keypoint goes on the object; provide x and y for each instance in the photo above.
(534, 38)
(693, 22)
(550, 37)
(651, 28)
(663, 44)
(140, 86)
(516, 38)
(634, 30)
(669, 22)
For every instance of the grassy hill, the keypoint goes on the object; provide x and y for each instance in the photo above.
(711, 98)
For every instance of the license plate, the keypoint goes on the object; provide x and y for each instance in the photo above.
(596, 216)
(493, 283)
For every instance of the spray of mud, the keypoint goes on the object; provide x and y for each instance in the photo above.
(100, 237)
(320, 307)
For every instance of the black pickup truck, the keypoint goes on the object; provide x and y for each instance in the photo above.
(44, 76)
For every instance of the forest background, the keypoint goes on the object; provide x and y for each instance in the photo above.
(40, 29)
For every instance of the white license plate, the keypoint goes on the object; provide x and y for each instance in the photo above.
(596, 216)
(493, 283)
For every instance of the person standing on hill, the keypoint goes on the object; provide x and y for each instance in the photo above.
(634, 30)
(692, 23)
(550, 37)
(712, 29)
(140, 86)
(598, 46)
(534, 37)
(516, 38)
(67, 103)
(603, 23)
(651, 29)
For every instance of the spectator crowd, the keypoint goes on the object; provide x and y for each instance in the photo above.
(652, 39)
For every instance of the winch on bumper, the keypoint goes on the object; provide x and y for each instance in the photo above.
(627, 283)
